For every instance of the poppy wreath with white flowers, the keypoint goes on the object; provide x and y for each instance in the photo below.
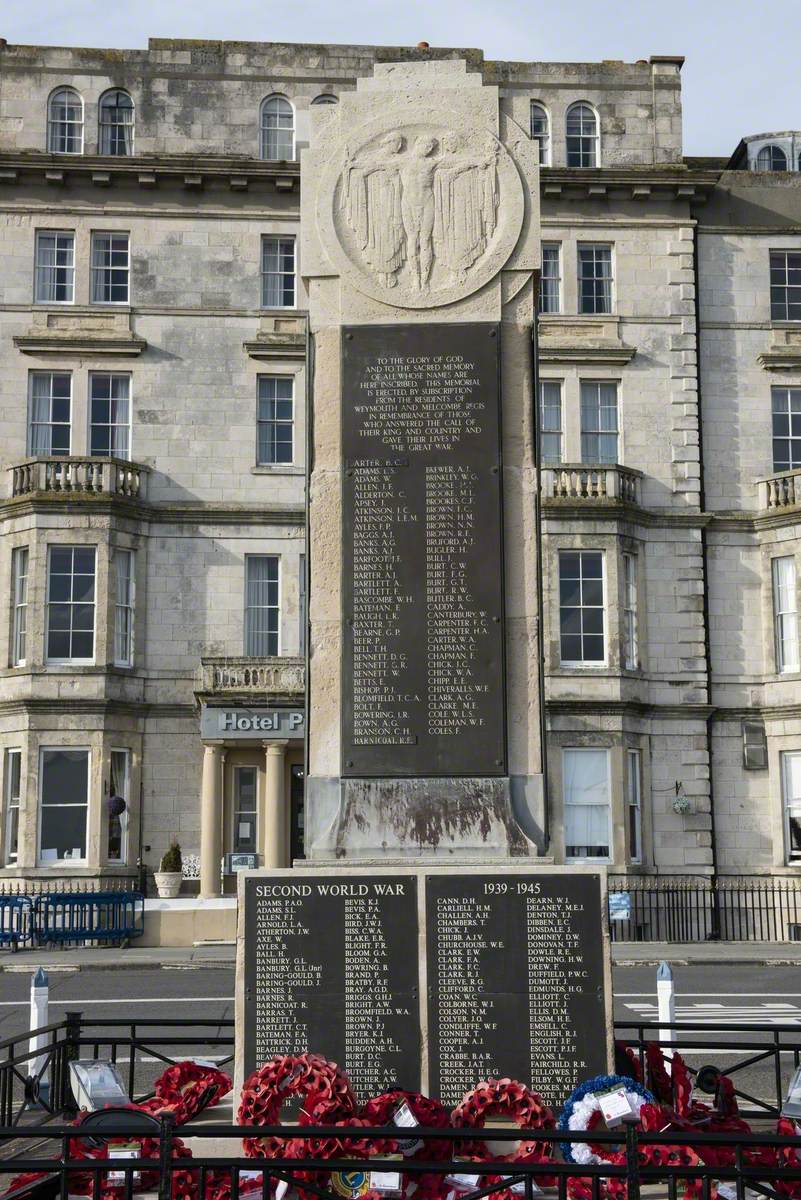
(582, 1110)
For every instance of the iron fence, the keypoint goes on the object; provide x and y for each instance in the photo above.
(751, 1160)
(141, 1049)
(646, 908)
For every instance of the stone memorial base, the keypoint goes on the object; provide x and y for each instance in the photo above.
(372, 819)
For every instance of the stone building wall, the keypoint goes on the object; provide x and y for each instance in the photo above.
(196, 200)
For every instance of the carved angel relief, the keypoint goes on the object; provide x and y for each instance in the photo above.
(422, 210)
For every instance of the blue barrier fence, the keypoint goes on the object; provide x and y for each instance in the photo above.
(16, 920)
(63, 917)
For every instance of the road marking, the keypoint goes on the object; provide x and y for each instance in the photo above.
(726, 1014)
(723, 995)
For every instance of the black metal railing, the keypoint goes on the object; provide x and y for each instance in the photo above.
(672, 908)
(760, 1059)
(766, 1163)
(140, 1049)
(736, 1049)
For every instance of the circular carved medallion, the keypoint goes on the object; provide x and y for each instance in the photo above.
(420, 215)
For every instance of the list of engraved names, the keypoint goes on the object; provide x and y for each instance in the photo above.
(423, 678)
(331, 967)
(515, 973)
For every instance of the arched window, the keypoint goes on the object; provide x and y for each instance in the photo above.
(326, 98)
(540, 132)
(771, 158)
(116, 123)
(581, 131)
(277, 130)
(65, 122)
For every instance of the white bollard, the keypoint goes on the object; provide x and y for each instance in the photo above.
(40, 995)
(666, 1004)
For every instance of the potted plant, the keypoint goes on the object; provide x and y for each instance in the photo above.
(168, 877)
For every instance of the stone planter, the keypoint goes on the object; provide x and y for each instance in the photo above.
(168, 883)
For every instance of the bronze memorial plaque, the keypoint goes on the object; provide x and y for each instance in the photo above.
(423, 674)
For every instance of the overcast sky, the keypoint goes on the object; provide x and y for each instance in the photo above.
(741, 75)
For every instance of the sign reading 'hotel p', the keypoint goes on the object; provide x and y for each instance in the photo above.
(252, 722)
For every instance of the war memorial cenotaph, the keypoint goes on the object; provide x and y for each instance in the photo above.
(424, 942)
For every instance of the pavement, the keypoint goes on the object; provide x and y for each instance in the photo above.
(202, 957)
(82, 958)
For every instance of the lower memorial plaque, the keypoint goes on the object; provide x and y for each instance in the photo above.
(331, 966)
(516, 982)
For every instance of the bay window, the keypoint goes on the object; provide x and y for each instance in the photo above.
(12, 776)
(19, 601)
(791, 794)
(63, 805)
(123, 582)
(71, 604)
(117, 808)
(634, 804)
(630, 632)
(586, 792)
(785, 614)
(581, 608)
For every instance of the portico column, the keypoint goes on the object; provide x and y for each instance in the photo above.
(211, 801)
(274, 833)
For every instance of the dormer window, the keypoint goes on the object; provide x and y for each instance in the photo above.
(581, 129)
(277, 130)
(65, 122)
(540, 132)
(116, 124)
(771, 158)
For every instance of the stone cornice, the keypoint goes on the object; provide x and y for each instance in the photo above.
(51, 706)
(277, 347)
(148, 171)
(768, 712)
(587, 355)
(62, 344)
(641, 182)
(593, 510)
(184, 514)
(634, 708)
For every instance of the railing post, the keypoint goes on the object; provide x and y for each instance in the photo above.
(165, 1156)
(632, 1162)
(72, 1052)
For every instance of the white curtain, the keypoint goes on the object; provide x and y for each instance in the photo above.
(586, 794)
(41, 428)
